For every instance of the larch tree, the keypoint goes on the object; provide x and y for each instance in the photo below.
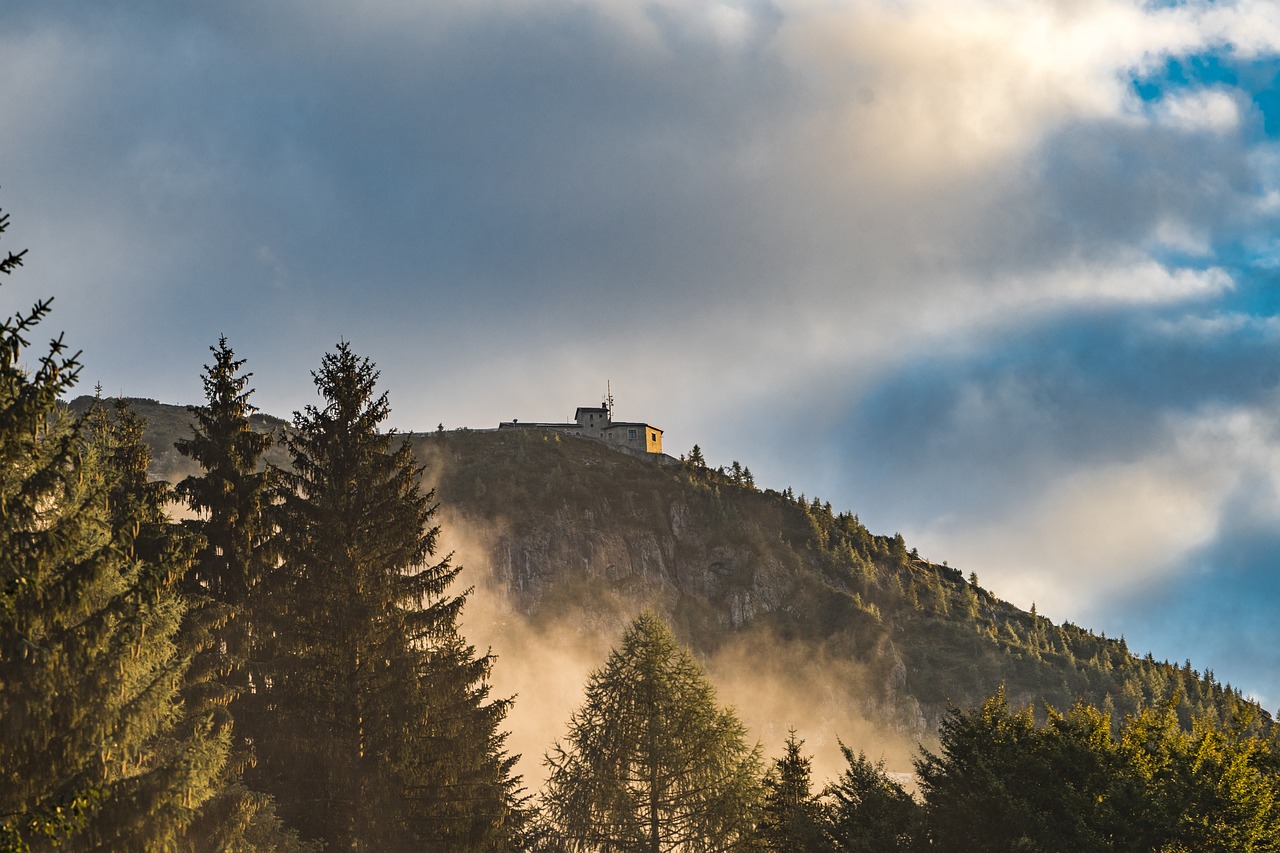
(380, 735)
(651, 763)
(95, 751)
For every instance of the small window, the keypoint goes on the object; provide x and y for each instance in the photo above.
(631, 434)
(654, 436)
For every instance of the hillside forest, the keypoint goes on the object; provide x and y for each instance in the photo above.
(268, 652)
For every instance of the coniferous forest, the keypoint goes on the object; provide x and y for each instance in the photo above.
(269, 656)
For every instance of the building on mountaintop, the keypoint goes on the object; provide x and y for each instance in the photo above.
(597, 422)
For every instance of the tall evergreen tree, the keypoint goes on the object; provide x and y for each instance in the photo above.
(651, 763)
(380, 736)
(186, 758)
(94, 752)
(44, 519)
(229, 499)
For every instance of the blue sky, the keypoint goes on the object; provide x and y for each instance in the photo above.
(1000, 276)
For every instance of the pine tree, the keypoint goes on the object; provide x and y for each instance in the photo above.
(229, 498)
(183, 765)
(867, 812)
(93, 750)
(651, 762)
(45, 517)
(791, 814)
(380, 734)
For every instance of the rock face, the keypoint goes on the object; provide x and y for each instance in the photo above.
(656, 567)
(568, 530)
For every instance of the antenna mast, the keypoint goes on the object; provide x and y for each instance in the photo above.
(608, 398)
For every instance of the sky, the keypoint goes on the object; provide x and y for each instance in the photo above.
(1000, 275)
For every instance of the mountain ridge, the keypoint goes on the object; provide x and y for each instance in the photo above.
(851, 630)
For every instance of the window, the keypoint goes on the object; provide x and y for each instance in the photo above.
(631, 434)
(654, 436)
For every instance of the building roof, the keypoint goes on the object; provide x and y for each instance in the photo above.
(633, 424)
(537, 425)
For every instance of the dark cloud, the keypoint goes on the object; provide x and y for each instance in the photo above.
(972, 433)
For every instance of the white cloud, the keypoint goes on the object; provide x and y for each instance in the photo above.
(930, 88)
(1173, 233)
(1213, 110)
(1086, 535)
(1218, 325)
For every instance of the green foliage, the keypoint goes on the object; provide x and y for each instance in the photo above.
(229, 498)
(95, 749)
(867, 812)
(47, 518)
(380, 735)
(791, 818)
(1071, 784)
(1035, 788)
(1213, 788)
(186, 758)
(651, 763)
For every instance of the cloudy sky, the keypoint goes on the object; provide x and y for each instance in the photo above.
(998, 274)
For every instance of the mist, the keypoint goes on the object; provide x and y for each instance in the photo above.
(544, 662)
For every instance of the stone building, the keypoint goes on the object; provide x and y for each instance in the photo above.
(597, 423)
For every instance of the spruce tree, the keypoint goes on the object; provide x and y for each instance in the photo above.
(868, 812)
(44, 521)
(651, 763)
(790, 821)
(183, 764)
(380, 734)
(94, 751)
(229, 499)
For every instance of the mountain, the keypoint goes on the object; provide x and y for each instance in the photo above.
(802, 616)
(166, 423)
